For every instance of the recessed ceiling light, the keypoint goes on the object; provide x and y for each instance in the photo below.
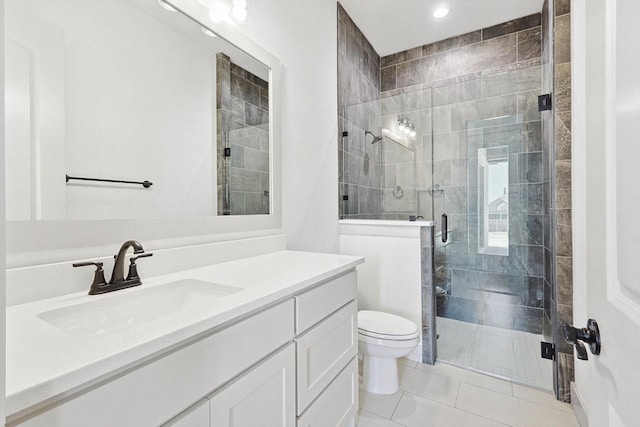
(441, 12)
(167, 6)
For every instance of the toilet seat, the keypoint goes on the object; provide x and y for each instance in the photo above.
(385, 326)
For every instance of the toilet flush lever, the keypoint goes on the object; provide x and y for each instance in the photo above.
(590, 335)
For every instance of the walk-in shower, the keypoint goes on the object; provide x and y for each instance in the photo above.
(461, 136)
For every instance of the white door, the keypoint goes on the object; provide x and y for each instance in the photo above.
(606, 204)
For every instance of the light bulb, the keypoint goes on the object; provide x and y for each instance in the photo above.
(407, 131)
(401, 126)
(412, 134)
(441, 12)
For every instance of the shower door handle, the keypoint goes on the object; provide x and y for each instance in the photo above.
(445, 228)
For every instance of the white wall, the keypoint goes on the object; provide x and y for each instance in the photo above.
(390, 278)
(303, 34)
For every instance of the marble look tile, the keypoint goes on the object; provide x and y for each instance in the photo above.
(563, 135)
(512, 26)
(425, 384)
(388, 78)
(565, 280)
(457, 91)
(511, 81)
(563, 174)
(414, 411)
(484, 55)
(561, 7)
(565, 317)
(529, 44)
(465, 112)
(399, 57)
(408, 363)
(563, 87)
(528, 105)
(423, 70)
(367, 419)
(382, 405)
(451, 43)
(565, 376)
(563, 240)
(562, 39)
(563, 198)
(511, 410)
(469, 377)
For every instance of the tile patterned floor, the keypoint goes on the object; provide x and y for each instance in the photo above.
(514, 355)
(447, 396)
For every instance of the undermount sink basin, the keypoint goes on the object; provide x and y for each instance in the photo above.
(117, 312)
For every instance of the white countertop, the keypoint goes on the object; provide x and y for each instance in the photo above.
(387, 222)
(45, 363)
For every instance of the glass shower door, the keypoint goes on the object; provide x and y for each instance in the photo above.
(488, 183)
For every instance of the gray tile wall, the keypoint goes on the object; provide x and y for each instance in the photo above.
(243, 123)
(561, 225)
(484, 74)
(428, 291)
(360, 162)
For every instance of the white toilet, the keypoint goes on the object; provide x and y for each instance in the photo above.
(382, 339)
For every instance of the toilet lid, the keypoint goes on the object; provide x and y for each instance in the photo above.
(379, 324)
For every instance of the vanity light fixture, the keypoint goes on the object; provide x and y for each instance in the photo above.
(167, 6)
(208, 32)
(239, 11)
(412, 132)
(441, 12)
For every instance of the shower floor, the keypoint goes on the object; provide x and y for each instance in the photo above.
(510, 354)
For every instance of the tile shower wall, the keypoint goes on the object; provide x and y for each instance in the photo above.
(243, 126)
(476, 77)
(560, 261)
(360, 162)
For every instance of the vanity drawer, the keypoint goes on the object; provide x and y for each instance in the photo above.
(323, 352)
(316, 304)
(338, 404)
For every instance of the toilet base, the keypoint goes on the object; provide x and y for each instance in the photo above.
(380, 375)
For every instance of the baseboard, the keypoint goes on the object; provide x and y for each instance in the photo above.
(578, 407)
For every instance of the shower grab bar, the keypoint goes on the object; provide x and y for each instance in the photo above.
(445, 228)
(145, 184)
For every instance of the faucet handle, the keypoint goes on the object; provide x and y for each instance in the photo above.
(98, 278)
(133, 268)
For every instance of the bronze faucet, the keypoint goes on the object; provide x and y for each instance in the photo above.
(118, 281)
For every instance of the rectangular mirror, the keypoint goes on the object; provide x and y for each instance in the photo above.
(133, 90)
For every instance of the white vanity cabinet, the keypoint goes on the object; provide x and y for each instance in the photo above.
(292, 363)
(327, 348)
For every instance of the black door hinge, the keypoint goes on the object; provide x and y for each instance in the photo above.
(547, 350)
(544, 102)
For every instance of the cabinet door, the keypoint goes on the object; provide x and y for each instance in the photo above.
(196, 416)
(323, 351)
(337, 405)
(263, 396)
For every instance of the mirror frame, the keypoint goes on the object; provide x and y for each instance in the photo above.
(31, 243)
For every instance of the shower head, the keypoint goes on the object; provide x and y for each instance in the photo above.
(375, 138)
